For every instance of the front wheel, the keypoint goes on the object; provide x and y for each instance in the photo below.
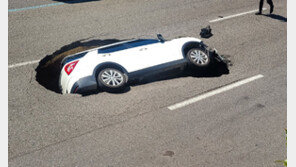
(111, 79)
(198, 57)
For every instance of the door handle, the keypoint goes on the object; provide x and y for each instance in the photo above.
(106, 55)
(142, 49)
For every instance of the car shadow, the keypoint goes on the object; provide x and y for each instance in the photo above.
(75, 1)
(216, 70)
(48, 69)
(277, 17)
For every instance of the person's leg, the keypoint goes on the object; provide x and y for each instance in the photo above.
(260, 7)
(271, 5)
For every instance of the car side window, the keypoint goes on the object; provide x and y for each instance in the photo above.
(128, 45)
(141, 42)
(113, 48)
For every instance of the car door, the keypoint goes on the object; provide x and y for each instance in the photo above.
(151, 52)
(138, 55)
(131, 55)
(163, 53)
(120, 54)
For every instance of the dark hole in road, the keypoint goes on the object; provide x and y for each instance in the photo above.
(48, 70)
(75, 1)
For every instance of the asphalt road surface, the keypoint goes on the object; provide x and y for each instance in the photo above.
(242, 126)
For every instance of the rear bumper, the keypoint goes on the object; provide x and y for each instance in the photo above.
(74, 85)
(83, 85)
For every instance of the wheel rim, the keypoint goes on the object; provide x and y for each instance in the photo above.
(199, 57)
(112, 77)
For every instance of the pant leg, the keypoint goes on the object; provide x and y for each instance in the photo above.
(261, 5)
(270, 3)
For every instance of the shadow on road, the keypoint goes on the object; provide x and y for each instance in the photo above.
(75, 1)
(216, 70)
(48, 70)
(277, 17)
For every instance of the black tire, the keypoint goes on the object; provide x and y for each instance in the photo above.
(198, 57)
(111, 79)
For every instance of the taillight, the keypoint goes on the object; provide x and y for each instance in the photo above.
(70, 67)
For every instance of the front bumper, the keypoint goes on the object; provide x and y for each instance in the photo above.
(219, 57)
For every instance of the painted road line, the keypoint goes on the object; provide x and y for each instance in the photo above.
(36, 7)
(236, 15)
(214, 92)
(23, 64)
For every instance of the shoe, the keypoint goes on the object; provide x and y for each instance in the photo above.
(258, 13)
(271, 9)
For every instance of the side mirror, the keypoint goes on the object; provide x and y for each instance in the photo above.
(160, 38)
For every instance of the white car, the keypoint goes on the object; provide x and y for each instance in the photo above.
(110, 67)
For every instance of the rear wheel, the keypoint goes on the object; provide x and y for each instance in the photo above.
(111, 79)
(198, 57)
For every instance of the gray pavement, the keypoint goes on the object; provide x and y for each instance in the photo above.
(241, 127)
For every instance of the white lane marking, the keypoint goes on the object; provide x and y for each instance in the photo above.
(23, 63)
(236, 15)
(216, 20)
(214, 92)
(35, 7)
